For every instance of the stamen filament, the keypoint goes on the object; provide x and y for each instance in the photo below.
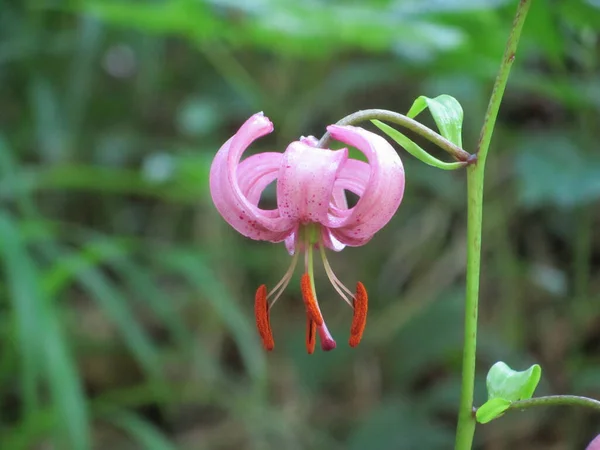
(359, 320)
(283, 282)
(335, 282)
(261, 313)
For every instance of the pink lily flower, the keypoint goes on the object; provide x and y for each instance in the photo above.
(595, 444)
(312, 212)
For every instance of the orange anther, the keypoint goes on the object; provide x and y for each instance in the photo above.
(311, 334)
(261, 312)
(359, 320)
(312, 309)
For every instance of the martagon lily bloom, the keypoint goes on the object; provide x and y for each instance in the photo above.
(595, 444)
(312, 211)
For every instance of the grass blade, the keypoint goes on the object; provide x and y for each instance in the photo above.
(24, 299)
(42, 345)
(112, 300)
(147, 435)
(201, 277)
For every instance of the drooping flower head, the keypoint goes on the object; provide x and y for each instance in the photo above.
(312, 211)
(595, 444)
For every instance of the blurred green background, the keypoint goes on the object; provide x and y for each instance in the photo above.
(126, 302)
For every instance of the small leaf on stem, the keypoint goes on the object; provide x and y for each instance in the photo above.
(447, 113)
(512, 385)
(505, 386)
(492, 409)
(415, 149)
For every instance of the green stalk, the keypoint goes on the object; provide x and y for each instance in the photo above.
(466, 419)
(556, 400)
(400, 119)
(475, 180)
(501, 79)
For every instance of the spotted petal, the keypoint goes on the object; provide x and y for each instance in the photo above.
(235, 188)
(256, 172)
(306, 181)
(380, 193)
(595, 444)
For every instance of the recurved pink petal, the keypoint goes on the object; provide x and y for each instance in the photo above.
(381, 193)
(311, 141)
(291, 241)
(595, 444)
(306, 180)
(339, 205)
(353, 177)
(330, 241)
(256, 172)
(338, 196)
(237, 202)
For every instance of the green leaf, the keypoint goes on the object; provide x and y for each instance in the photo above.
(415, 149)
(24, 295)
(503, 382)
(65, 266)
(554, 170)
(140, 280)
(200, 276)
(65, 385)
(114, 302)
(147, 435)
(363, 26)
(9, 172)
(394, 424)
(42, 344)
(446, 112)
(492, 409)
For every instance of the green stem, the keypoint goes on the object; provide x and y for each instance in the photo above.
(556, 400)
(475, 180)
(498, 91)
(399, 119)
(466, 421)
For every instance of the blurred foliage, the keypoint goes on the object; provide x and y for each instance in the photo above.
(127, 302)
